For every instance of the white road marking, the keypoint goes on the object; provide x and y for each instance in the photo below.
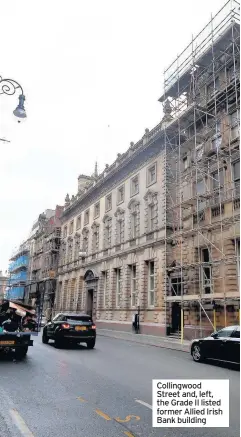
(144, 403)
(20, 424)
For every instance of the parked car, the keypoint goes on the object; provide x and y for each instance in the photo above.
(223, 345)
(66, 328)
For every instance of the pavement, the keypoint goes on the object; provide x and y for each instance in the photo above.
(151, 340)
(105, 392)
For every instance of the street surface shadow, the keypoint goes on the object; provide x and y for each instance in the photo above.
(9, 357)
(71, 347)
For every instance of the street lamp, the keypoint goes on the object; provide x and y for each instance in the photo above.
(9, 87)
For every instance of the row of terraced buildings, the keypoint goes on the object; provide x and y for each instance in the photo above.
(158, 231)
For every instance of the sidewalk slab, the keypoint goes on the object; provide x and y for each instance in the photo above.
(149, 340)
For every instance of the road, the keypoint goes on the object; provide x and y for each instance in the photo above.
(91, 393)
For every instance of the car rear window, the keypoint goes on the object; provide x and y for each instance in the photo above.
(78, 319)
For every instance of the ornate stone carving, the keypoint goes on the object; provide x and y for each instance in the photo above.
(119, 213)
(167, 110)
(107, 220)
(67, 200)
(95, 236)
(85, 233)
(150, 197)
(133, 205)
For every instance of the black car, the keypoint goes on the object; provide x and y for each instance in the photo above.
(223, 345)
(70, 328)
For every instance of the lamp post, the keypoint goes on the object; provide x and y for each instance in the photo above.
(9, 87)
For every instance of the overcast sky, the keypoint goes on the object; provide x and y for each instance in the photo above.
(92, 72)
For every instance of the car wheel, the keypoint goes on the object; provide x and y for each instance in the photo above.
(21, 353)
(197, 353)
(90, 344)
(45, 339)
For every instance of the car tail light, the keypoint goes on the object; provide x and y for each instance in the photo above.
(93, 327)
(65, 326)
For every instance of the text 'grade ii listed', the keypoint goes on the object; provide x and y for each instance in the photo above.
(190, 403)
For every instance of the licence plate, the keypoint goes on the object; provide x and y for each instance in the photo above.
(7, 343)
(80, 328)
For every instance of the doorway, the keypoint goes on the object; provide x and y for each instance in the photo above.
(90, 299)
(176, 317)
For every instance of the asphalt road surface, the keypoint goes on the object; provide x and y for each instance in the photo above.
(105, 392)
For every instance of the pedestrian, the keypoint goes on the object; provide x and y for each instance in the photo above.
(134, 322)
(137, 323)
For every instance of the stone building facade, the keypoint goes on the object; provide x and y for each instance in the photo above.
(113, 233)
(44, 242)
(158, 231)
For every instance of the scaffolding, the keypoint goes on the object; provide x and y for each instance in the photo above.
(201, 104)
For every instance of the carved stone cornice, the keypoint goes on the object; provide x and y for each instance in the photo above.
(119, 213)
(95, 225)
(106, 217)
(133, 203)
(85, 231)
(150, 196)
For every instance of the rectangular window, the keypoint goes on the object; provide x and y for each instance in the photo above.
(87, 217)
(152, 217)
(236, 177)
(199, 152)
(133, 225)
(151, 284)
(107, 234)
(78, 223)
(216, 143)
(176, 286)
(108, 202)
(237, 250)
(77, 248)
(151, 175)
(213, 87)
(133, 286)
(231, 72)
(105, 277)
(70, 253)
(185, 163)
(218, 185)
(206, 271)
(118, 287)
(95, 239)
(201, 189)
(65, 231)
(120, 231)
(234, 119)
(120, 194)
(97, 210)
(135, 185)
